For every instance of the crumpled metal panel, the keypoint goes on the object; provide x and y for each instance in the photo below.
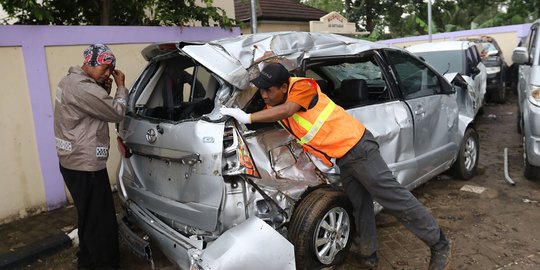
(293, 179)
(465, 100)
(252, 244)
(391, 125)
(232, 58)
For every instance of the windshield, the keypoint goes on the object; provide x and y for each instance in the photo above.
(444, 61)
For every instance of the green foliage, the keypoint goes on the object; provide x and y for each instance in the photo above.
(116, 12)
(326, 5)
(399, 18)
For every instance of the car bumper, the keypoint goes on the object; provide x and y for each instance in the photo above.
(175, 246)
(252, 244)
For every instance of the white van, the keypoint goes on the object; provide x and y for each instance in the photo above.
(528, 57)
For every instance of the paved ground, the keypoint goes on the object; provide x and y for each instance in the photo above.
(496, 229)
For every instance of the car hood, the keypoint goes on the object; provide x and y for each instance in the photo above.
(235, 59)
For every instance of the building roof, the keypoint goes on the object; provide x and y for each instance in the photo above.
(277, 10)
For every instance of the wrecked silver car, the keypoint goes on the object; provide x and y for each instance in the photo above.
(217, 194)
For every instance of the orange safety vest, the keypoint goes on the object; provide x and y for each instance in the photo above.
(326, 130)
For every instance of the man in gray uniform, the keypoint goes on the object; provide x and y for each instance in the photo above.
(83, 108)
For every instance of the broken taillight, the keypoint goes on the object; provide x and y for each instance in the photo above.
(124, 150)
(238, 160)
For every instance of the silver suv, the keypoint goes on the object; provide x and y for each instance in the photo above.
(528, 57)
(216, 194)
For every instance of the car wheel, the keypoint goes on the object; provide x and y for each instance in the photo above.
(530, 172)
(469, 152)
(321, 229)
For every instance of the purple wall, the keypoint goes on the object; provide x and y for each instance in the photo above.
(33, 40)
(521, 29)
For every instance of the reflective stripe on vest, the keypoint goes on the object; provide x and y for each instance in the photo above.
(312, 129)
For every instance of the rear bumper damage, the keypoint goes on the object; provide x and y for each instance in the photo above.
(245, 246)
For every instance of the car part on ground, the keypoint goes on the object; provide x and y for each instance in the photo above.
(192, 175)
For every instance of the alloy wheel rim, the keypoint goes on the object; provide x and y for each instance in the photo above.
(470, 154)
(332, 234)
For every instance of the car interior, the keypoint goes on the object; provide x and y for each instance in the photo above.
(176, 90)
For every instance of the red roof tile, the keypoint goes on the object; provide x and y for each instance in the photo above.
(277, 10)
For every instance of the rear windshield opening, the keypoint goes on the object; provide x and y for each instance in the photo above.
(175, 89)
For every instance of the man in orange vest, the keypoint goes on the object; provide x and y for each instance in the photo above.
(319, 125)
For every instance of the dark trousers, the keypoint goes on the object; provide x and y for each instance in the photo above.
(365, 177)
(98, 230)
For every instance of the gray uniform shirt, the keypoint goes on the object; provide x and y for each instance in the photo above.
(81, 115)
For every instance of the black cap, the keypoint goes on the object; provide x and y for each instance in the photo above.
(273, 74)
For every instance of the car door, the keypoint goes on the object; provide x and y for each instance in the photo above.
(524, 72)
(360, 84)
(175, 163)
(435, 121)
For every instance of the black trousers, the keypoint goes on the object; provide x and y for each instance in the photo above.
(96, 216)
(366, 177)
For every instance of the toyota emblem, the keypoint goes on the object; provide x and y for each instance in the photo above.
(151, 135)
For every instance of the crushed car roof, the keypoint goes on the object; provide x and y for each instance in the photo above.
(233, 58)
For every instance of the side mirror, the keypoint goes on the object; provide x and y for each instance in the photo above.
(520, 56)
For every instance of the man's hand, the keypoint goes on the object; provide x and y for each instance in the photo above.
(119, 77)
(238, 114)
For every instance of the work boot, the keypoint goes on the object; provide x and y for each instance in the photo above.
(370, 262)
(440, 254)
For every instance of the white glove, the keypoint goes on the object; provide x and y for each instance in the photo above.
(241, 116)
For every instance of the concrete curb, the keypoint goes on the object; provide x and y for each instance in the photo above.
(33, 251)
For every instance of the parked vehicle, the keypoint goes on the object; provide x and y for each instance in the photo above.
(217, 194)
(528, 57)
(496, 68)
(457, 56)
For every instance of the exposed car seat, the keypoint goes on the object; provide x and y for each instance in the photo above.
(354, 92)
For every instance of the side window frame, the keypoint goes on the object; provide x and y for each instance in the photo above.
(422, 67)
(388, 93)
(532, 42)
(470, 61)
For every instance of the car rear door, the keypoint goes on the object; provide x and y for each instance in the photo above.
(434, 113)
(175, 167)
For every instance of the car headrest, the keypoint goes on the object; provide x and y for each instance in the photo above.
(354, 90)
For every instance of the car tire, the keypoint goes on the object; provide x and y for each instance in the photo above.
(530, 172)
(469, 153)
(312, 223)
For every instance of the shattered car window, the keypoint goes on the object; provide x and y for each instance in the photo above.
(178, 90)
(351, 83)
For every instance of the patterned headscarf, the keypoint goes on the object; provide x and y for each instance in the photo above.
(99, 54)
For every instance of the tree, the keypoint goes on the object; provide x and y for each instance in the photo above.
(326, 5)
(116, 12)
